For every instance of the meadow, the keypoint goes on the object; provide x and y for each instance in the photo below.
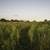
(25, 35)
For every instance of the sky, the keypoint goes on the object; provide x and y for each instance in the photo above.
(25, 9)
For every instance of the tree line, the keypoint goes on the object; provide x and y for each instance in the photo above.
(12, 20)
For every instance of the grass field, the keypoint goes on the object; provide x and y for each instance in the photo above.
(24, 35)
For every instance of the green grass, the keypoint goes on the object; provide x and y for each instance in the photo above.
(24, 35)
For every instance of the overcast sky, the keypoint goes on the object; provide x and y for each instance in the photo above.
(25, 9)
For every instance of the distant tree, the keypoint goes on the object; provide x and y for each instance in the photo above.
(14, 20)
(45, 20)
(3, 20)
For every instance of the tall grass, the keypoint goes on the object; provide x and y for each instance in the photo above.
(24, 35)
